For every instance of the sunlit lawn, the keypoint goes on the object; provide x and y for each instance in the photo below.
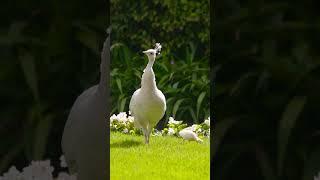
(163, 158)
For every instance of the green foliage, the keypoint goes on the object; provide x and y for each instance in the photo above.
(181, 71)
(161, 21)
(287, 123)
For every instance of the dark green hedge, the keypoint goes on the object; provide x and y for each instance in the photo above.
(140, 24)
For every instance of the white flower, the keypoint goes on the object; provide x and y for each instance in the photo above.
(170, 131)
(38, 170)
(12, 174)
(207, 121)
(125, 130)
(122, 117)
(63, 162)
(130, 118)
(187, 134)
(195, 127)
(113, 118)
(172, 121)
(192, 128)
(129, 112)
(65, 176)
(317, 177)
(157, 133)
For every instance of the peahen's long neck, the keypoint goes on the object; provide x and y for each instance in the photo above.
(148, 81)
(105, 60)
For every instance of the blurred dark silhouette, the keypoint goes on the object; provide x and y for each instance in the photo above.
(266, 84)
(50, 53)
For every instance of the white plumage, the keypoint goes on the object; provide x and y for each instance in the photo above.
(188, 134)
(148, 104)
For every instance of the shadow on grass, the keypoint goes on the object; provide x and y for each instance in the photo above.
(125, 144)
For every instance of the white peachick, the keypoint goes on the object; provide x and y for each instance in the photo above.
(148, 104)
(188, 134)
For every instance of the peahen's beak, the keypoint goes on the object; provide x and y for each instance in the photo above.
(144, 52)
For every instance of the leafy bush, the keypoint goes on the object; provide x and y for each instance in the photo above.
(140, 24)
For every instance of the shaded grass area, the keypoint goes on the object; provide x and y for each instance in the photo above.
(163, 158)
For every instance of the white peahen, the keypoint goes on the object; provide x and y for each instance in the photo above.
(148, 104)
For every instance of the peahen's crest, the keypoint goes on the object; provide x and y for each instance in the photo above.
(158, 48)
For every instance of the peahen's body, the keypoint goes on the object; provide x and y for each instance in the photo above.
(84, 138)
(148, 104)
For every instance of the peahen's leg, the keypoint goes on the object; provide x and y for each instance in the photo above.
(145, 136)
(148, 137)
(148, 133)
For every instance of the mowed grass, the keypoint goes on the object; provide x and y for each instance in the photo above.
(164, 158)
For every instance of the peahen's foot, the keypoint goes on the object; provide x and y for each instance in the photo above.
(146, 139)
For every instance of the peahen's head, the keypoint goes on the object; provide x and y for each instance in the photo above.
(152, 53)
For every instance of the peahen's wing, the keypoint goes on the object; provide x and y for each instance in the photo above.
(133, 107)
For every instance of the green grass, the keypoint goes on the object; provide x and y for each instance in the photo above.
(163, 158)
